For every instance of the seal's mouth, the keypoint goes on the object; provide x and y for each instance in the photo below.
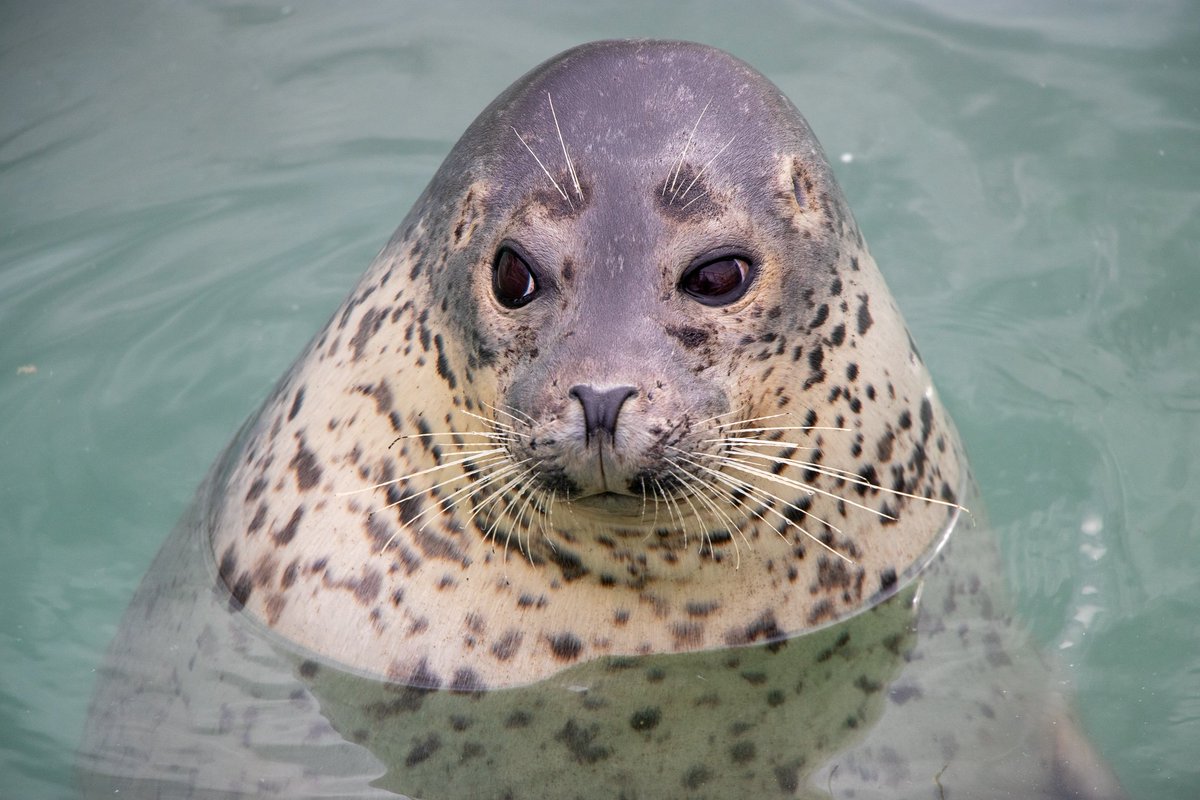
(623, 505)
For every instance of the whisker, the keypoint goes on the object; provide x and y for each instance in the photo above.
(444, 503)
(742, 441)
(683, 155)
(527, 419)
(725, 414)
(411, 475)
(733, 529)
(750, 487)
(788, 428)
(487, 434)
(543, 166)
(751, 419)
(849, 477)
(703, 169)
(796, 484)
(495, 422)
(570, 166)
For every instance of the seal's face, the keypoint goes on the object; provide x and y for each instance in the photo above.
(633, 251)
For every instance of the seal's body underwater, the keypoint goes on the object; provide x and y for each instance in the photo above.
(618, 464)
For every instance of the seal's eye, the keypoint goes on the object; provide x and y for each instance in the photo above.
(512, 279)
(718, 282)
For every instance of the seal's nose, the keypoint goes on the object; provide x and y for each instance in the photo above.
(601, 407)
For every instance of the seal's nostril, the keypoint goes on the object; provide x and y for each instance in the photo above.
(601, 407)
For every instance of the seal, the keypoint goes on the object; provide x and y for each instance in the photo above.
(625, 395)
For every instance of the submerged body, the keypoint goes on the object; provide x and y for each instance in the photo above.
(618, 473)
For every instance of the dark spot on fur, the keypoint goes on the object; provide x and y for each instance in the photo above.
(443, 363)
(256, 489)
(565, 646)
(308, 669)
(864, 313)
(423, 750)
(568, 563)
(519, 718)
(368, 326)
(228, 566)
(580, 742)
(506, 646)
(743, 752)
(887, 579)
(822, 610)
(646, 719)
(289, 575)
(764, 628)
(696, 608)
(689, 336)
(467, 681)
(260, 516)
(296, 403)
(288, 531)
(437, 547)
(696, 777)
(240, 591)
(687, 634)
(308, 474)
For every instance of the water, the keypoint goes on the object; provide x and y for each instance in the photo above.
(187, 190)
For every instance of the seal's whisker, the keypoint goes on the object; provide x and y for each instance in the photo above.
(703, 536)
(790, 428)
(734, 529)
(546, 516)
(436, 486)
(496, 494)
(494, 422)
(672, 510)
(565, 196)
(750, 487)
(725, 414)
(679, 194)
(752, 469)
(751, 419)
(670, 185)
(700, 196)
(561, 141)
(532, 508)
(741, 441)
(841, 474)
(527, 420)
(750, 491)
(430, 435)
(418, 473)
(444, 504)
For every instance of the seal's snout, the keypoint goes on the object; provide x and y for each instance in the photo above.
(601, 407)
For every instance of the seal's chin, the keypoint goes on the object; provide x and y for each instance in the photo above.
(612, 504)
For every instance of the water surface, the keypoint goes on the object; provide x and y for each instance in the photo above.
(188, 189)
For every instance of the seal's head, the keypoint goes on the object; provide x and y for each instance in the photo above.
(626, 380)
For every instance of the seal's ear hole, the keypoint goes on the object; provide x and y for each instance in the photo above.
(513, 281)
(802, 184)
(719, 281)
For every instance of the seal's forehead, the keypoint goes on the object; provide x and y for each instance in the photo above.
(637, 102)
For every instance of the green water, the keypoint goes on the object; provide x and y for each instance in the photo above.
(188, 189)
